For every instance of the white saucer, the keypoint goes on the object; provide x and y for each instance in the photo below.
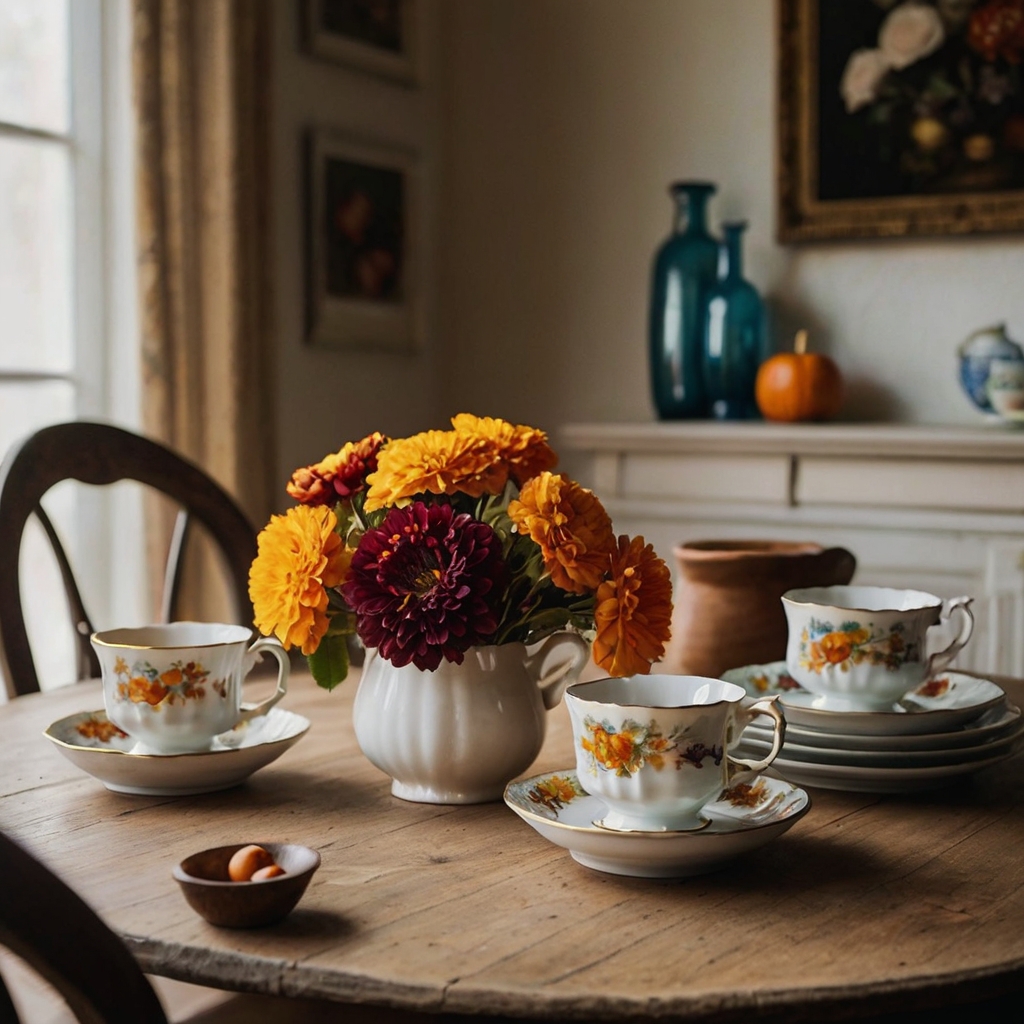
(854, 778)
(938, 705)
(993, 724)
(98, 747)
(754, 744)
(562, 812)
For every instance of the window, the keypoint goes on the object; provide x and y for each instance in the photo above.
(67, 290)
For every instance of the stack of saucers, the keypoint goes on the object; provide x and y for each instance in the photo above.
(951, 726)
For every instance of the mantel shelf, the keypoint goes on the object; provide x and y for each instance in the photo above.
(996, 441)
(936, 508)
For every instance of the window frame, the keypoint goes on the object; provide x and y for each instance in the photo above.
(105, 540)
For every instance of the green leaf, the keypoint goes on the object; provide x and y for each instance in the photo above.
(329, 662)
(341, 621)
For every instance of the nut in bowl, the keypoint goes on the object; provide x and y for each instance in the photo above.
(207, 881)
(655, 749)
(862, 648)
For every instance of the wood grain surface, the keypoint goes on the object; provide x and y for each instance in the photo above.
(869, 904)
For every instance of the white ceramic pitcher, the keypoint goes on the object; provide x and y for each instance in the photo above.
(458, 734)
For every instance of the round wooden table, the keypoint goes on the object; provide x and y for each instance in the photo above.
(868, 905)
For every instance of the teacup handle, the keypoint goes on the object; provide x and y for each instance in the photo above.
(940, 661)
(746, 713)
(273, 645)
(565, 673)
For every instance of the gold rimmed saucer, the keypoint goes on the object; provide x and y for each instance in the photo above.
(741, 820)
(94, 744)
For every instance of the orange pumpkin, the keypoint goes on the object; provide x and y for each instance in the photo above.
(798, 385)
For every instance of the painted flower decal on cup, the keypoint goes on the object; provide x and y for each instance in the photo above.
(183, 681)
(625, 751)
(823, 644)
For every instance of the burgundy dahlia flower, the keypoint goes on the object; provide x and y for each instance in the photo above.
(426, 584)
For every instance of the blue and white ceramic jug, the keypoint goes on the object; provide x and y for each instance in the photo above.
(977, 354)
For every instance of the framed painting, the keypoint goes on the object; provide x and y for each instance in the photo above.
(899, 118)
(363, 217)
(378, 36)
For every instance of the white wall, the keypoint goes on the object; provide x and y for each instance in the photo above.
(562, 124)
(325, 398)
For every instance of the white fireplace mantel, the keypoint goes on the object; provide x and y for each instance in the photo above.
(936, 508)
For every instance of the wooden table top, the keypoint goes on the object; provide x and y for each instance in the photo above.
(869, 903)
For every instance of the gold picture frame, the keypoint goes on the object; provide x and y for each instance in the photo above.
(811, 204)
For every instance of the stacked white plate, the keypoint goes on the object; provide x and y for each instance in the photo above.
(949, 727)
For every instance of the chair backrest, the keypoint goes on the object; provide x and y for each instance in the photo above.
(53, 930)
(98, 453)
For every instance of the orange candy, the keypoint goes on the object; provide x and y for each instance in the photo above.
(270, 871)
(247, 861)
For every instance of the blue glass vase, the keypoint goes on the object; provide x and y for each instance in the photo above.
(733, 334)
(684, 269)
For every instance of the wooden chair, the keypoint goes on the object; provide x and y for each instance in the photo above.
(98, 453)
(57, 934)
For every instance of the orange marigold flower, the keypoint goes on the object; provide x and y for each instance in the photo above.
(339, 475)
(524, 450)
(571, 527)
(299, 557)
(633, 610)
(435, 462)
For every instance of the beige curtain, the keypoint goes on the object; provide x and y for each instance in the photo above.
(201, 70)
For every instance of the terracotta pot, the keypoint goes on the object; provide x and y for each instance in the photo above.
(728, 605)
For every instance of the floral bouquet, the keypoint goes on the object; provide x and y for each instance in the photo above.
(429, 545)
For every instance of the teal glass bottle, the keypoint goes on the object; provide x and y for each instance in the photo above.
(733, 334)
(684, 269)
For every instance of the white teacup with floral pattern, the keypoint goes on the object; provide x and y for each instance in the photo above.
(862, 648)
(174, 687)
(655, 749)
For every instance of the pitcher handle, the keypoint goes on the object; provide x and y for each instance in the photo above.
(739, 767)
(565, 673)
(941, 660)
(838, 565)
(274, 646)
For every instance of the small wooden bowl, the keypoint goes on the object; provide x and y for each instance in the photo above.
(204, 880)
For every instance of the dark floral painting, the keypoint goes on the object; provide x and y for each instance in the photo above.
(376, 36)
(920, 97)
(365, 228)
(901, 117)
(375, 22)
(364, 233)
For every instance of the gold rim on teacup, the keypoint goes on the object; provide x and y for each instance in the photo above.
(104, 638)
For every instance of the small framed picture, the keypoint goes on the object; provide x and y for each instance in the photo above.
(378, 36)
(363, 219)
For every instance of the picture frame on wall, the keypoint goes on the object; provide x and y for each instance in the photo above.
(363, 203)
(898, 118)
(376, 36)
